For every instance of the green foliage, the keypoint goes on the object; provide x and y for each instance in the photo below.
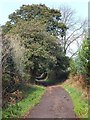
(36, 28)
(8, 66)
(32, 97)
(73, 67)
(11, 111)
(10, 74)
(50, 17)
(80, 104)
(84, 56)
(61, 67)
(42, 52)
(81, 64)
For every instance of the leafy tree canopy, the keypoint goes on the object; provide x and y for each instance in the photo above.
(42, 51)
(50, 17)
(36, 28)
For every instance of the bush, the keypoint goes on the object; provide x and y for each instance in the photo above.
(73, 67)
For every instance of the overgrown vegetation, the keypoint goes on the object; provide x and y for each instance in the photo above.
(79, 100)
(81, 64)
(80, 68)
(31, 97)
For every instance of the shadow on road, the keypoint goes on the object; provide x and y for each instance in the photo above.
(49, 83)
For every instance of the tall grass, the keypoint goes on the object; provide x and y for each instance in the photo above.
(80, 104)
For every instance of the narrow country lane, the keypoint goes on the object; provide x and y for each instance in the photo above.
(56, 103)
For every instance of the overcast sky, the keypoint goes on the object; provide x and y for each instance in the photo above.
(9, 6)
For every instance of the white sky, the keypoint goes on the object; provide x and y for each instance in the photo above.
(9, 6)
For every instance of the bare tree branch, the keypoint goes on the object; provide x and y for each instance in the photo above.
(73, 40)
(75, 28)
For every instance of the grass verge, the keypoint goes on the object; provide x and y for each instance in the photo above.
(32, 97)
(80, 103)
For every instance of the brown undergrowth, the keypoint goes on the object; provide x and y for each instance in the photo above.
(77, 82)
